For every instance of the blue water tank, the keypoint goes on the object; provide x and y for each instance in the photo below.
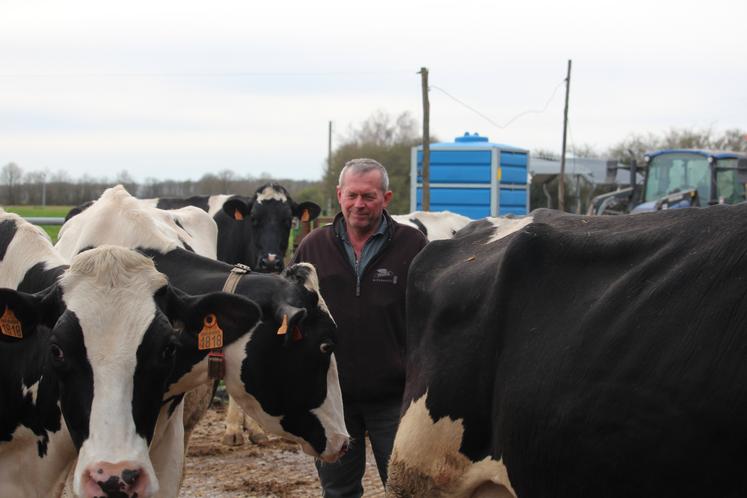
(473, 177)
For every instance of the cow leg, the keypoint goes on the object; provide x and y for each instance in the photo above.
(256, 434)
(196, 404)
(234, 435)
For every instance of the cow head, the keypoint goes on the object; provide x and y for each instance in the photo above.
(287, 379)
(112, 348)
(263, 224)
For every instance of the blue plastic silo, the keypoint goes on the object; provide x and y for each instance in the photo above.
(473, 177)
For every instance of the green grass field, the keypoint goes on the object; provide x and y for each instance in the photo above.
(39, 211)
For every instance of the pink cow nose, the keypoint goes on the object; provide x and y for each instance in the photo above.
(115, 480)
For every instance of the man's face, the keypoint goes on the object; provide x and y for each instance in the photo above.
(362, 200)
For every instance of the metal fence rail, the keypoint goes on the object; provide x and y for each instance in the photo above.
(45, 220)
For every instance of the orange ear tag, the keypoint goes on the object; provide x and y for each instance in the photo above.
(10, 325)
(283, 326)
(237, 215)
(305, 215)
(211, 336)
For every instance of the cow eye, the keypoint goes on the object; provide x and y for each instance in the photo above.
(326, 347)
(58, 356)
(168, 351)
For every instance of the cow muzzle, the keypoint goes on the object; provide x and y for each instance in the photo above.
(337, 446)
(116, 480)
(270, 263)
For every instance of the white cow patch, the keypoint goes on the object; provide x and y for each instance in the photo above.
(32, 390)
(122, 283)
(312, 285)
(507, 226)
(330, 414)
(118, 218)
(215, 203)
(427, 448)
(30, 246)
(439, 224)
(269, 193)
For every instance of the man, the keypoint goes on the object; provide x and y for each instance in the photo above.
(362, 260)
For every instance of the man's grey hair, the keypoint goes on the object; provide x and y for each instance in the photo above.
(364, 165)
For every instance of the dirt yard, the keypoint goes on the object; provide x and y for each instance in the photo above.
(275, 468)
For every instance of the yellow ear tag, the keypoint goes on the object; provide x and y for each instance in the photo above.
(211, 336)
(10, 325)
(305, 216)
(237, 215)
(283, 326)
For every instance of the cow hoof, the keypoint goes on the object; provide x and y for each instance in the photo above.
(257, 437)
(233, 439)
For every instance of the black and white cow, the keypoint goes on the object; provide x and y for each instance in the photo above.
(288, 382)
(86, 355)
(251, 230)
(436, 225)
(571, 356)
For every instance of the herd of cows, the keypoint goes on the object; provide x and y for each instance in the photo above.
(552, 355)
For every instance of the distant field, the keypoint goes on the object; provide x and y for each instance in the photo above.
(39, 211)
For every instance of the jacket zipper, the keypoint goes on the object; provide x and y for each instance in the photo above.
(341, 246)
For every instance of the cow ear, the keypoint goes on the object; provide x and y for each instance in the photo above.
(306, 211)
(22, 313)
(237, 208)
(290, 319)
(235, 315)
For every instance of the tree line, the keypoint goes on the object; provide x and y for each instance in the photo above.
(386, 138)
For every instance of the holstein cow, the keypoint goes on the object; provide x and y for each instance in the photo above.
(86, 355)
(284, 373)
(251, 230)
(435, 225)
(568, 356)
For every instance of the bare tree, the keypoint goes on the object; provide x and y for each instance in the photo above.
(10, 176)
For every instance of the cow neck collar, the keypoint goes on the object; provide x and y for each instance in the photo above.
(238, 271)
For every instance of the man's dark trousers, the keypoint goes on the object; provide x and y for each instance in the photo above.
(343, 479)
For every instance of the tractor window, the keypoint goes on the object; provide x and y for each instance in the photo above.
(670, 173)
(729, 190)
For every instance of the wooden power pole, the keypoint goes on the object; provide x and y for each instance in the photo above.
(329, 148)
(561, 184)
(426, 141)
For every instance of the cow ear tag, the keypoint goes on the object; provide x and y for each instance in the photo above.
(10, 325)
(211, 336)
(305, 215)
(283, 326)
(237, 215)
(216, 365)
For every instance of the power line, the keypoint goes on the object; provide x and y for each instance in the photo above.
(197, 74)
(491, 121)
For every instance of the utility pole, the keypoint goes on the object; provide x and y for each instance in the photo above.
(561, 185)
(426, 141)
(329, 147)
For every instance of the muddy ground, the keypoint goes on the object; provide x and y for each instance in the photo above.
(274, 468)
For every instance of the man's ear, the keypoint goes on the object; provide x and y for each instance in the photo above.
(237, 208)
(21, 313)
(306, 211)
(234, 315)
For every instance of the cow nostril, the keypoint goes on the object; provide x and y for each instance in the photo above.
(130, 476)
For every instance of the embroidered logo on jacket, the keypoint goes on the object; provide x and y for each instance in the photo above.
(384, 275)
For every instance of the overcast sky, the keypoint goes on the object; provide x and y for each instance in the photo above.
(176, 89)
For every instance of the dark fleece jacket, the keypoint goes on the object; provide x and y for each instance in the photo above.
(371, 321)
